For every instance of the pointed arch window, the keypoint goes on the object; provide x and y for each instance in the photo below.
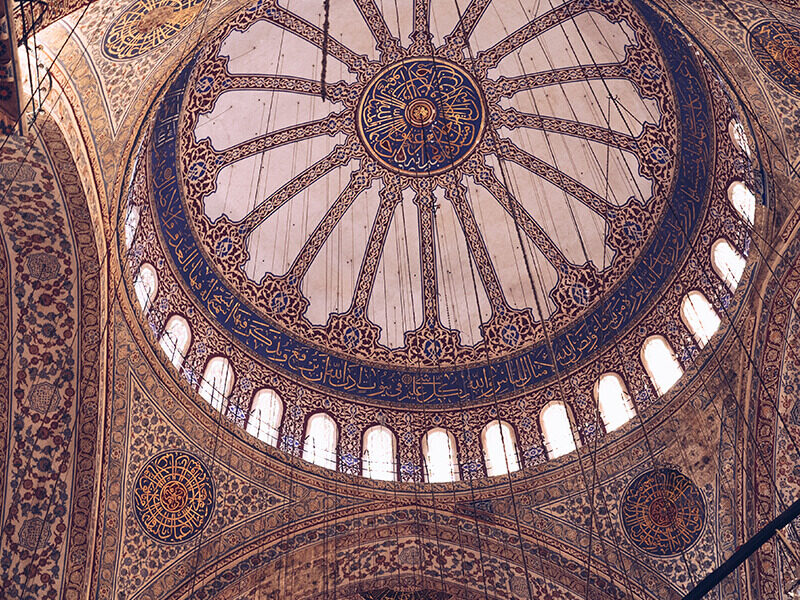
(439, 452)
(380, 451)
(319, 446)
(265, 416)
(743, 200)
(738, 136)
(146, 285)
(217, 382)
(499, 448)
(176, 339)
(557, 430)
(613, 401)
(699, 317)
(131, 225)
(727, 263)
(661, 363)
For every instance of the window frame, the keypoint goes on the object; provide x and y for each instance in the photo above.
(515, 446)
(455, 466)
(576, 442)
(658, 389)
(230, 384)
(131, 208)
(701, 343)
(306, 436)
(279, 425)
(629, 404)
(151, 295)
(185, 352)
(729, 283)
(748, 218)
(395, 457)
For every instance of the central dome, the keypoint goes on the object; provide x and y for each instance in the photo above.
(442, 222)
(421, 116)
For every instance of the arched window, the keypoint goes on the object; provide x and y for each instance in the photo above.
(439, 451)
(499, 448)
(699, 317)
(175, 340)
(660, 363)
(727, 263)
(131, 224)
(743, 200)
(217, 382)
(613, 401)
(146, 286)
(378, 461)
(319, 446)
(265, 416)
(557, 430)
(739, 137)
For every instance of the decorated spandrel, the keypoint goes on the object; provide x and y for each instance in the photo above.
(173, 497)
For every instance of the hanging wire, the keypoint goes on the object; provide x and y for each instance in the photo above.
(685, 561)
(733, 394)
(740, 341)
(448, 151)
(326, 30)
(533, 286)
(21, 472)
(574, 220)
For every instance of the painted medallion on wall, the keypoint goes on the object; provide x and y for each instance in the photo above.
(173, 497)
(147, 24)
(663, 512)
(388, 594)
(421, 117)
(776, 47)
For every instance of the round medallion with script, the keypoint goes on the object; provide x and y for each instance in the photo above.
(173, 497)
(421, 116)
(146, 24)
(775, 46)
(663, 512)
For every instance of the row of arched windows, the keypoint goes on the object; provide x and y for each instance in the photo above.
(439, 445)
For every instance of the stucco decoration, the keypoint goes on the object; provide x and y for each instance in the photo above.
(51, 290)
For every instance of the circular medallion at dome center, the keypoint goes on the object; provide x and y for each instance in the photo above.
(421, 116)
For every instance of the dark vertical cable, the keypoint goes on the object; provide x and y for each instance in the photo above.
(326, 30)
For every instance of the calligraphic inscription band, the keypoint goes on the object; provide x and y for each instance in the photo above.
(173, 497)
(146, 24)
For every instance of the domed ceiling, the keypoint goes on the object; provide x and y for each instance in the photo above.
(464, 179)
(481, 197)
